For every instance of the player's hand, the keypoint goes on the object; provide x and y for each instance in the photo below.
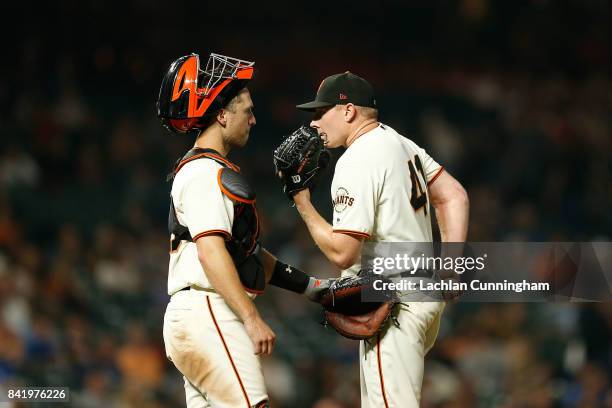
(261, 335)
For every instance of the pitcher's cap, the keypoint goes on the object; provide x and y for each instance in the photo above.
(340, 89)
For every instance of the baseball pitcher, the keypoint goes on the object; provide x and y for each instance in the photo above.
(382, 189)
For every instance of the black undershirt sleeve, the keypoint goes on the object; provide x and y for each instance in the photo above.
(287, 277)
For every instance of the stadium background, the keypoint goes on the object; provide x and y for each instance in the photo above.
(514, 98)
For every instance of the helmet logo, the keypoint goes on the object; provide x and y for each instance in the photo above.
(186, 79)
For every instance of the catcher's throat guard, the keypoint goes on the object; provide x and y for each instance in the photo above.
(188, 94)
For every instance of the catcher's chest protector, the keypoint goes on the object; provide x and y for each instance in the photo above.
(243, 244)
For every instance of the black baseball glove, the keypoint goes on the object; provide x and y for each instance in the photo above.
(300, 160)
(349, 315)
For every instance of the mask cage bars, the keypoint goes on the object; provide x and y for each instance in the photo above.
(221, 67)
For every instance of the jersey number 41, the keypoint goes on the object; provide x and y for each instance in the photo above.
(418, 195)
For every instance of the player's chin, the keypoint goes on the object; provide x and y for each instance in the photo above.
(329, 144)
(241, 142)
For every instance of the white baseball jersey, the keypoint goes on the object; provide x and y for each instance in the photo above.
(203, 337)
(379, 189)
(203, 209)
(379, 192)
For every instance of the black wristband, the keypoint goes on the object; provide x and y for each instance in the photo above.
(288, 277)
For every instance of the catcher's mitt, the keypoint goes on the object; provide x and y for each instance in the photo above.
(348, 315)
(300, 160)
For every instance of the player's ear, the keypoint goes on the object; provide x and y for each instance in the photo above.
(222, 117)
(349, 112)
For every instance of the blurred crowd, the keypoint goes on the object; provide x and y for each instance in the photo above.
(83, 201)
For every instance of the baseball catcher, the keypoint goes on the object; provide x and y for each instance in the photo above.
(213, 332)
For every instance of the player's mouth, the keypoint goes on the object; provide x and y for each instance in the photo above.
(323, 136)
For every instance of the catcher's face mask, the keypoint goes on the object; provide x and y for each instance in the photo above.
(188, 94)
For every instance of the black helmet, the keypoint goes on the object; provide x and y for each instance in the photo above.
(188, 95)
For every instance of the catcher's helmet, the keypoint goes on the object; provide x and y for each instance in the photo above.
(188, 94)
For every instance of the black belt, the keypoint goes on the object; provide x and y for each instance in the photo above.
(185, 288)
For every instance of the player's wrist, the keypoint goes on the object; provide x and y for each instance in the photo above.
(303, 205)
(302, 196)
(249, 313)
